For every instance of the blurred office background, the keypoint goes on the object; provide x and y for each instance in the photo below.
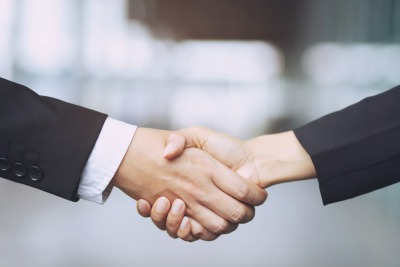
(243, 67)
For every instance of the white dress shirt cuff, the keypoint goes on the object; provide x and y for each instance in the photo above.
(108, 153)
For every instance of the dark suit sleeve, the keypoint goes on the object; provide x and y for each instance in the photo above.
(356, 150)
(44, 142)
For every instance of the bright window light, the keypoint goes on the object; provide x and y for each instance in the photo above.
(6, 18)
(46, 39)
(335, 63)
(237, 61)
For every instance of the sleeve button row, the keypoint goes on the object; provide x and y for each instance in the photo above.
(19, 170)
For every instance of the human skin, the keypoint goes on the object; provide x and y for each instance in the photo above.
(214, 196)
(265, 160)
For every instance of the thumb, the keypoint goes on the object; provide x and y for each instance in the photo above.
(185, 138)
(175, 146)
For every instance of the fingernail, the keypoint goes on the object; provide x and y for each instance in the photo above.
(177, 207)
(161, 204)
(168, 149)
(184, 223)
(142, 206)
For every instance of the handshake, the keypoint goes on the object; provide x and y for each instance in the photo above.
(212, 180)
(195, 183)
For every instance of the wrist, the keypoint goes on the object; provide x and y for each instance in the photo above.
(142, 171)
(280, 158)
(123, 177)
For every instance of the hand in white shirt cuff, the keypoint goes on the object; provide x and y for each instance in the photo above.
(108, 153)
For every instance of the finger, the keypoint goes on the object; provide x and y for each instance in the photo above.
(200, 232)
(238, 187)
(184, 231)
(232, 210)
(211, 221)
(175, 217)
(221, 203)
(175, 146)
(143, 208)
(159, 212)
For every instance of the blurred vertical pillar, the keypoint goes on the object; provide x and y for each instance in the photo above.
(6, 25)
(396, 22)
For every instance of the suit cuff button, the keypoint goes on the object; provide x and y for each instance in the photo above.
(5, 165)
(19, 170)
(35, 174)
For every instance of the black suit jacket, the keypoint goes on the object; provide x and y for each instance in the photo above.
(44, 142)
(356, 150)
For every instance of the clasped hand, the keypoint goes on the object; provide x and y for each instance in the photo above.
(212, 180)
(215, 198)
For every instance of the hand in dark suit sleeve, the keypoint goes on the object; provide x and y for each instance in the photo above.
(352, 151)
(356, 150)
(44, 142)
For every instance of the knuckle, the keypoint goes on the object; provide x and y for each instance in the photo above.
(194, 190)
(195, 131)
(238, 214)
(171, 225)
(204, 234)
(243, 191)
(220, 226)
(191, 187)
(199, 233)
